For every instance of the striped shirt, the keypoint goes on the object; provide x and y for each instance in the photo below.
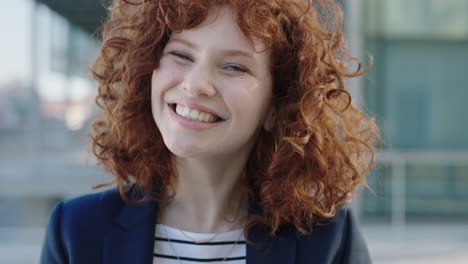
(189, 252)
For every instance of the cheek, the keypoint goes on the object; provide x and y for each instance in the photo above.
(156, 92)
(154, 83)
(248, 99)
(163, 78)
(159, 84)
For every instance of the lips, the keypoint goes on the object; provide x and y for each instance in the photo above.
(192, 124)
(194, 114)
(192, 110)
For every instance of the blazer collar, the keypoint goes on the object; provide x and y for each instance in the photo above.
(131, 238)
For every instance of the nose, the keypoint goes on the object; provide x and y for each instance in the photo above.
(198, 81)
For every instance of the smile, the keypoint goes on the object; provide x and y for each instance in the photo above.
(194, 114)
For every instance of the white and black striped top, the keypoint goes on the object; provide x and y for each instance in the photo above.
(189, 252)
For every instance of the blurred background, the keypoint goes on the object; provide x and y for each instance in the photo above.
(417, 90)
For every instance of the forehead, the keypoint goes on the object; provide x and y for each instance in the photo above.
(220, 29)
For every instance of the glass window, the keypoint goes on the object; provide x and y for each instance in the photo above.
(417, 18)
(417, 90)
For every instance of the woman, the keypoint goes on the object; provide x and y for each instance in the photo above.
(230, 136)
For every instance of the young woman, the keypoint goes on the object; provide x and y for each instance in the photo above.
(230, 136)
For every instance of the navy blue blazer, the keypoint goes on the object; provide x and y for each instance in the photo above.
(102, 228)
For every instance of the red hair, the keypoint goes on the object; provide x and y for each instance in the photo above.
(321, 145)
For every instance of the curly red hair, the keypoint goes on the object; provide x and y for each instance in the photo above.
(321, 145)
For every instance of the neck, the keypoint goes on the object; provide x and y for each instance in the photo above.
(208, 197)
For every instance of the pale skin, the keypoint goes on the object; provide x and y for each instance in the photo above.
(199, 66)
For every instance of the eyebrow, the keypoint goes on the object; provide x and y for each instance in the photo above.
(225, 52)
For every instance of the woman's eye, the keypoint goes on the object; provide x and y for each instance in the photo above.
(230, 67)
(180, 55)
(236, 68)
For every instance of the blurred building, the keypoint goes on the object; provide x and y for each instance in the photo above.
(46, 107)
(416, 89)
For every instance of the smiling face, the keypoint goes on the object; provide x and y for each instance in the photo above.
(212, 91)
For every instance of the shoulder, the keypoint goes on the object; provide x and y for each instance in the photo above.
(86, 216)
(332, 229)
(78, 225)
(91, 207)
(338, 238)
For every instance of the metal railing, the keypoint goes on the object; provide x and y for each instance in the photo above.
(399, 160)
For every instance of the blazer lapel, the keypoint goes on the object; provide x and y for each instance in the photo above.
(131, 239)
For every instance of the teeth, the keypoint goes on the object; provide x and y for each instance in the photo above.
(184, 112)
(194, 114)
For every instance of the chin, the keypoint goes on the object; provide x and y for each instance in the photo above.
(186, 150)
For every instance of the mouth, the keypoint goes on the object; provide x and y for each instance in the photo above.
(194, 114)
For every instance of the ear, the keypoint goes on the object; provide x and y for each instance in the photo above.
(269, 119)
